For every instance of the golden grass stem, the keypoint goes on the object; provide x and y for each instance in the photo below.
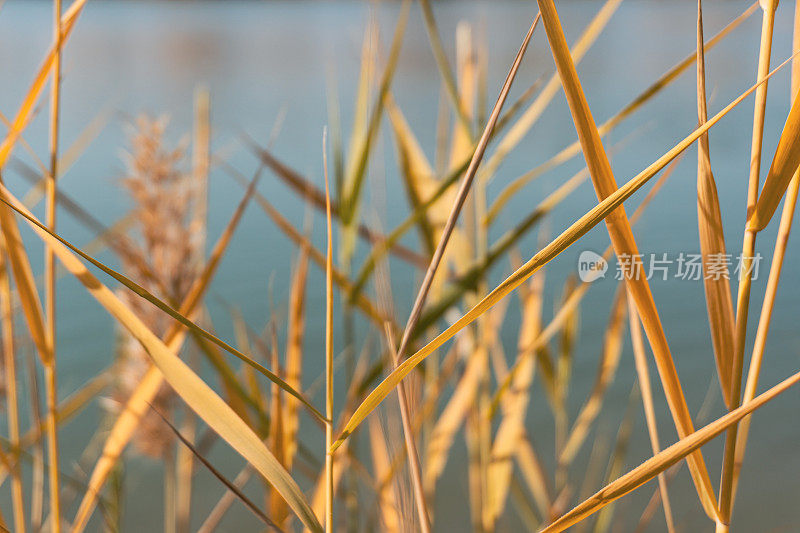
(771, 292)
(37, 474)
(51, 390)
(624, 243)
(328, 348)
(746, 263)
(10, 382)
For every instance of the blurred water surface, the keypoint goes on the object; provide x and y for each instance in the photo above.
(258, 58)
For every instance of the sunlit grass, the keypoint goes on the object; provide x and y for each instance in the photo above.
(362, 462)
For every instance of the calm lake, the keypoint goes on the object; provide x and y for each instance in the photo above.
(261, 58)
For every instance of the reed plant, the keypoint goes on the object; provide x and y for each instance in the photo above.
(178, 392)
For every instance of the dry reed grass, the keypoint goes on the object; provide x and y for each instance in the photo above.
(174, 413)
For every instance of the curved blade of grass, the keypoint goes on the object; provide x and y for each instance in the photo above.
(784, 165)
(194, 391)
(712, 239)
(416, 170)
(14, 204)
(564, 240)
(510, 190)
(663, 460)
(294, 353)
(357, 165)
(624, 243)
(237, 395)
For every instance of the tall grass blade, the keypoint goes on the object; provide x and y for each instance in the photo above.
(624, 244)
(10, 386)
(448, 79)
(51, 391)
(784, 165)
(294, 354)
(712, 238)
